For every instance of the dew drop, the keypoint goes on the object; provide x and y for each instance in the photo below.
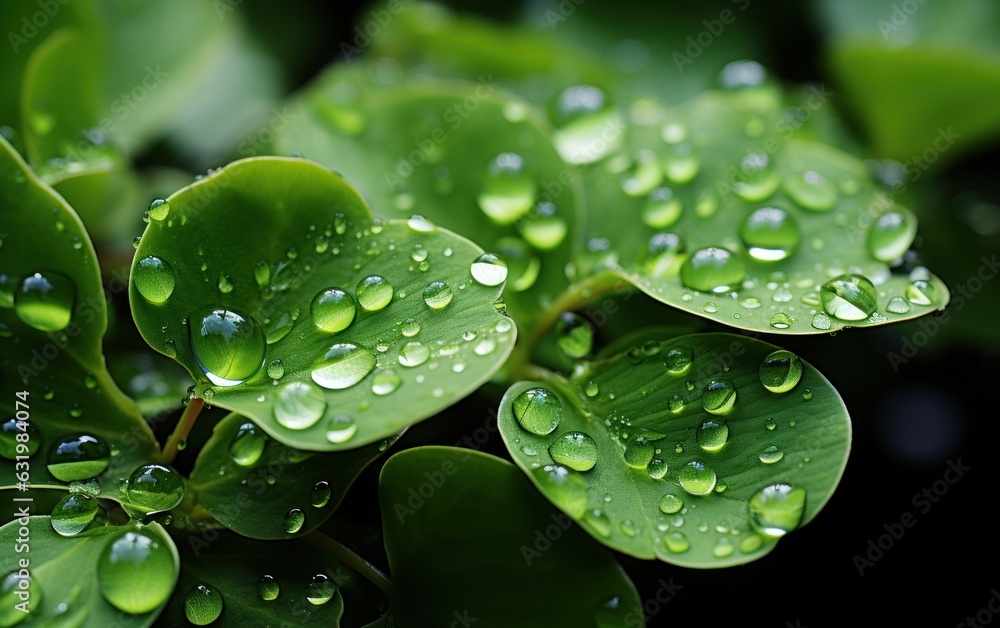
(780, 371)
(489, 270)
(268, 588)
(576, 450)
(299, 405)
(671, 504)
(538, 411)
(202, 605)
(293, 520)
(713, 434)
(718, 397)
(564, 488)
(341, 428)
(155, 488)
(73, 513)
(342, 366)
(921, 292)
(319, 496)
(892, 234)
(508, 190)
(777, 509)
(811, 190)
(320, 589)
(696, 478)
(374, 293)
(770, 234)
(713, 269)
(574, 335)
(136, 557)
(247, 445)
(333, 310)
(849, 297)
(78, 457)
(154, 279)
(771, 455)
(44, 301)
(385, 382)
(437, 295)
(413, 354)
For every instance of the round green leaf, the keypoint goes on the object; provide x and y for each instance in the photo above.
(72, 583)
(265, 490)
(718, 210)
(640, 449)
(53, 316)
(269, 281)
(465, 533)
(427, 148)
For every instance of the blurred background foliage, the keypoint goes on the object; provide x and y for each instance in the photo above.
(117, 102)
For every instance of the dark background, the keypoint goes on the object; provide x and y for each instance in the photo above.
(908, 425)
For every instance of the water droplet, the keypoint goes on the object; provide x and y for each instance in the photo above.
(413, 354)
(299, 405)
(641, 175)
(680, 165)
(155, 488)
(770, 234)
(583, 114)
(712, 434)
(74, 513)
(676, 542)
(542, 228)
(341, 428)
(892, 234)
(154, 279)
(262, 274)
(508, 190)
(45, 301)
(770, 425)
(724, 548)
(822, 321)
(229, 348)
(719, 396)
(11, 446)
(657, 468)
(806, 396)
(780, 371)
(132, 559)
(575, 450)
(225, 283)
(538, 411)
(759, 180)
(385, 382)
(897, 305)
(268, 588)
(320, 589)
(811, 190)
(158, 210)
(849, 297)
(275, 369)
(333, 310)
(599, 521)
(319, 496)
(247, 445)
(675, 404)
(574, 335)
(342, 366)
(639, 452)
(713, 269)
(628, 528)
(374, 293)
(410, 328)
(921, 292)
(489, 270)
(564, 488)
(696, 478)
(671, 504)
(202, 605)
(293, 520)
(781, 321)
(485, 346)
(523, 264)
(777, 509)
(771, 455)
(678, 360)
(78, 457)
(437, 295)
(710, 308)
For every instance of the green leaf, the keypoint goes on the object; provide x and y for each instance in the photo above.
(233, 567)
(258, 250)
(53, 317)
(609, 446)
(461, 526)
(72, 584)
(760, 243)
(265, 490)
(425, 148)
(921, 82)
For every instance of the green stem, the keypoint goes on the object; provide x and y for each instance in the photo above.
(347, 556)
(574, 297)
(182, 430)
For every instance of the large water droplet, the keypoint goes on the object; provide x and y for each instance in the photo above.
(78, 457)
(892, 234)
(678, 360)
(564, 488)
(770, 234)
(777, 509)
(333, 310)
(849, 297)
(319, 496)
(229, 347)
(671, 504)
(713, 434)
(718, 397)
(508, 190)
(811, 190)
(299, 405)
(45, 301)
(154, 279)
(713, 269)
(158, 209)
(341, 428)
(676, 542)
(202, 605)
(136, 573)
(780, 371)
(576, 450)
(19, 438)
(293, 520)
(921, 292)
(489, 270)
(155, 488)
(342, 366)
(437, 295)
(696, 478)
(537, 410)
(247, 445)
(268, 588)
(374, 293)
(574, 335)
(320, 589)
(74, 513)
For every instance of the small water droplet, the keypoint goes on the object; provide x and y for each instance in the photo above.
(342, 366)
(713, 269)
(294, 520)
(489, 270)
(299, 405)
(508, 190)
(437, 295)
(341, 428)
(719, 396)
(374, 293)
(713, 434)
(333, 310)
(202, 605)
(892, 234)
(574, 335)
(811, 190)
(770, 234)
(320, 589)
(537, 410)
(849, 297)
(780, 371)
(777, 509)
(696, 478)
(771, 455)
(154, 488)
(247, 445)
(45, 301)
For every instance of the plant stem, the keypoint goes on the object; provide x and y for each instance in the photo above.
(182, 430)
(348, 556)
